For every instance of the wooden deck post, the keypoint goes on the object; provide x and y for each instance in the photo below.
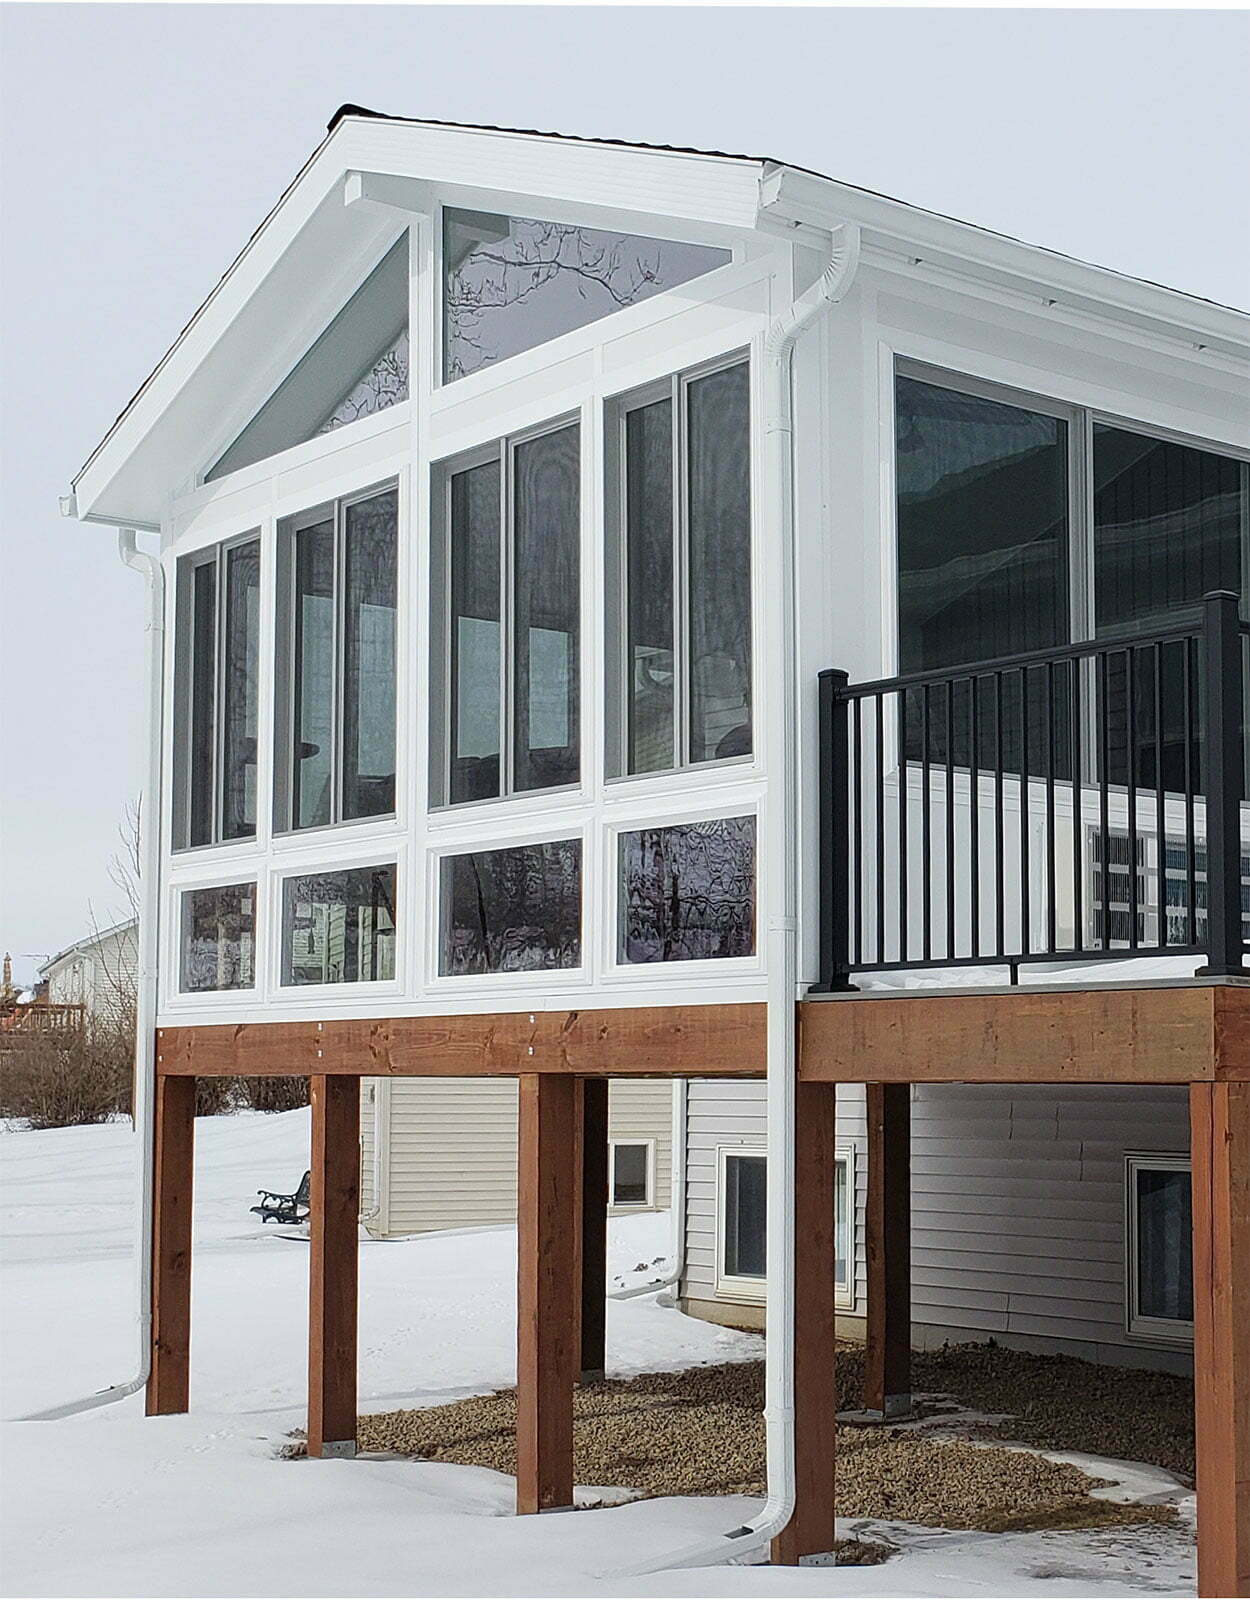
(810, 1531)
(1219, 1119)
(334, 1211)
(169, 1378)
(593, 1227)
(887, 1248)
(548, 1297)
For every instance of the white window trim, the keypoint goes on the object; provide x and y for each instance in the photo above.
(752, 1291)
(1152, 1330)
(647, 1204)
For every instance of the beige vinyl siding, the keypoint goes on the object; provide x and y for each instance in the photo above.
(452, 1147)
(728, 1113)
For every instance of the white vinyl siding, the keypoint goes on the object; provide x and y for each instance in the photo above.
(452, 1148)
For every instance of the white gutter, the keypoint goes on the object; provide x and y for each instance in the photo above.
(781, 903)
(677, 1186)
(145, 1023)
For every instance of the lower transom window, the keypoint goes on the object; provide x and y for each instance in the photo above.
(218, 938)
(339, 927)
(517, 909)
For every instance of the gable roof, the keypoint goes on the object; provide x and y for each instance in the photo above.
(91, 941)
(122, 481)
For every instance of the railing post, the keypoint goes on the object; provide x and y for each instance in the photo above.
(1223, 762)
(834, 837)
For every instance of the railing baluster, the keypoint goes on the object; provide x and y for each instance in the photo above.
(904, 804)
(950, 817)
(1104, 794)
(1026, 907)
(974, 817)
(1161, 832)
(1050, 808)
(1191, 845)
(1130, 723)
(835, 929)
(879, 820)
(926, 833)
(1000, 876)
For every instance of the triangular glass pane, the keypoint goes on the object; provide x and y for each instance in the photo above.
(359, 365)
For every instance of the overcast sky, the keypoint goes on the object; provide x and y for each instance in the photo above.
(143, 143)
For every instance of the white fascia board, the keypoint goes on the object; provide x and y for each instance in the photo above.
(899, 233)
(128, 477)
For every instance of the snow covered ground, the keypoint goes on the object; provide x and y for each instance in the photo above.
(114, 1504)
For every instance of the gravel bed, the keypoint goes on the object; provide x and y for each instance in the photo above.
(699, 1431)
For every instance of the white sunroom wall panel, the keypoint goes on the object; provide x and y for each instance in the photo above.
(647, 341)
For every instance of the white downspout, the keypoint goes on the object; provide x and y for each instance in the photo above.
(380, 1085)
(677, 1201)
(781, 902)
(145, 1019)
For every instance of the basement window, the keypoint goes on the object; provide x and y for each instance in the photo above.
(517, 909)
(742, 1224)
(511, 283)
(506, 627)
(356, 367)
(679, 572)
(339, 927)
(632, 1172)
(216, 692)
(1159, 1234)
(218, 946)
(336, 662)
(687, 892)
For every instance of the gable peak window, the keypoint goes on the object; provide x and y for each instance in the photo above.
(336, 662)
(679, 499)
(511, 283)
(357, 366)
(217, 694)
(507, 618)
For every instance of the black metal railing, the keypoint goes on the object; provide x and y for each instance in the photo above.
(1081, 803)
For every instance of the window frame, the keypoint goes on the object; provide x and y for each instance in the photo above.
(216, 555)
(1150, 1330)
(501, 452)
(753, 1291)
(673, 387)
(284, 677)
(647, 1204)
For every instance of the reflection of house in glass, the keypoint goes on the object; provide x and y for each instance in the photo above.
(339, 927)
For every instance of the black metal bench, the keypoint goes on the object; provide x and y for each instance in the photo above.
(285, 1207)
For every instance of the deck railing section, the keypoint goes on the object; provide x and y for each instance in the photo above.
(1080, 803)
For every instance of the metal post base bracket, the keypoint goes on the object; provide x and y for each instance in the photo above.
(338, 1449)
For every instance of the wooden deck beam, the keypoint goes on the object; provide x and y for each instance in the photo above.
(548, 1293)
(711, 1041)
(334, 1211)
(887, 1249)
(168, 1388)
(1220, 1162)
(810, 1531)
(1162, 1033)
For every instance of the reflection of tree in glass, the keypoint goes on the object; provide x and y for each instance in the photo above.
(689, 891)
(532, 257)
(515, 910)
(385, 384)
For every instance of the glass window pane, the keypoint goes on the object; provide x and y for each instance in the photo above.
(719, 510)
(844, 1222)
(650, 660)
(1167, 530)
(476, 656)
(514, 910)
(359, 365)
(369, 531)
(241, 691)
(339, 927)
(1165, 1286)
(219, 938)
(687, 892)
(746, 1216)
(630, 1164)
(982, 559)
(547, 602)
(313, 722)
(203, 729)
(510, 283)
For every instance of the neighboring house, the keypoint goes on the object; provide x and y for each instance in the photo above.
(653, 614)
(442, 1152)
(98, 972)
